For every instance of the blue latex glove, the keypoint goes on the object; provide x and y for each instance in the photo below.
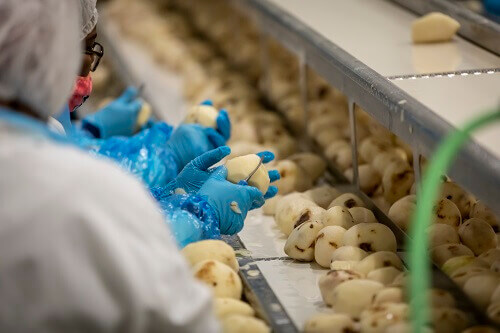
(230, 202)
(190, 218)
(191, 140)
(118, 118)
(223, 122)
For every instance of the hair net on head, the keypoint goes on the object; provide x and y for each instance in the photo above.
(89, 16)
(40, 53)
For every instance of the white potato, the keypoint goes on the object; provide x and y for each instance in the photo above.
(347, 200)
(240, 168)
(460, 198)
(293, 213)
(388, 295)
(434, 27)
(219, 277)
(384, 275)
(211, 249)
(293, 178)
(329, 323)
(300, 243)
(480, 288)
(397, 181)
(440, 234)
(353, 296)
(369, 179)
(328, 282)
(462, 275)
(328, 240)
(371, 237)
(376, 319)
(479, 210)
(229, 306)
(401, 211)
(362, 215)
(490, 256)
(313, 165)
(440, 254)
(343, 265)
(269, 207)
(477, 235)
(378, 260)
(352, 253)
(204, 115)
(322, 195)
(446, 212)
(338, 215)
(449, 320)
(453, 264)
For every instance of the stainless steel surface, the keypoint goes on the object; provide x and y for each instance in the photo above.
(459, 98)
(474, 27)
(378, 33)
(395, 109)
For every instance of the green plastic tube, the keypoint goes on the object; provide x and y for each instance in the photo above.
(419, 263)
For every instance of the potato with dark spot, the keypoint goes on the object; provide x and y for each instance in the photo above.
(477, 235)
(446, 212)
(347, 200)
(449, 320)
(440, 254)
(328, 282)
(223, 281)
(379, 260)
(460, 198)
(453, 264)
(301, 242)
(371, 237)
(397, 181)
(441, 298)
(295, 212)
(313, 165)
(339, 216)
(328, 240)
(211, 249)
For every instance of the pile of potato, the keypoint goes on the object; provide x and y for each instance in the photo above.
(214, 263)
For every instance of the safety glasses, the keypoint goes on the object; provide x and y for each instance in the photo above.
(97, 51)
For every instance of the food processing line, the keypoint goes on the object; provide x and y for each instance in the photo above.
(418, 92)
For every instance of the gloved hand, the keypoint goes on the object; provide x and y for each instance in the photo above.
(118, 118)
(223, 122)
(196, 173)
(230, 202)
(189, 141)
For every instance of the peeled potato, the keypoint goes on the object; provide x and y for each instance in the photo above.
(312, 164)
(204, 115)
(446, 212)
(339, 216)
(490, 256)
(300, 243)
(480, 288)
(397, 181)
(328, 282)
(377, 318)
(327, 241)
(384, 275)
(239, 168)
(453, 264)
(243, 324)
(388, 295)
(369, 179)
(371, 237)
(379, 260)
(347, 200)
(352, 297)
(460, 198)
(482, 212)
(493, 312)
(440, 254)
(441, 298)
(352, 253)
(449, 320)
(362, 215)
(288, 220)
(211, 249)
(440, 234)
(462, 275)
(434, 27)
(223, 281)
(343, 265)
(322, 195)
(269, 207)
(293, 178)
(329, 323)
(229, 306)
(402, 210)
(477, 235)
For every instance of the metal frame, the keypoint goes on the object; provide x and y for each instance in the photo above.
(476, 169)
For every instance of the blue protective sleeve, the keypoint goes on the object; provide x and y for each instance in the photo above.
(189, 217)
(146, 154)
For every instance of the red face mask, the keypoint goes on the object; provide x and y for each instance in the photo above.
(82, 90)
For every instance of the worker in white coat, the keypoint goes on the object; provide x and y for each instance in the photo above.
(83, 247)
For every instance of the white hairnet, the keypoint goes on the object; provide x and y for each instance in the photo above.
(89, 16)
(40, 53)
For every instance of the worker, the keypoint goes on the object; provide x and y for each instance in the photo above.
(155, 155)
(84, 247)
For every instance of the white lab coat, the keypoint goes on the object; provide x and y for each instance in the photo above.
(83, 248)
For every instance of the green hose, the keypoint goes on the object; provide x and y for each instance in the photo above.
(419, 263)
